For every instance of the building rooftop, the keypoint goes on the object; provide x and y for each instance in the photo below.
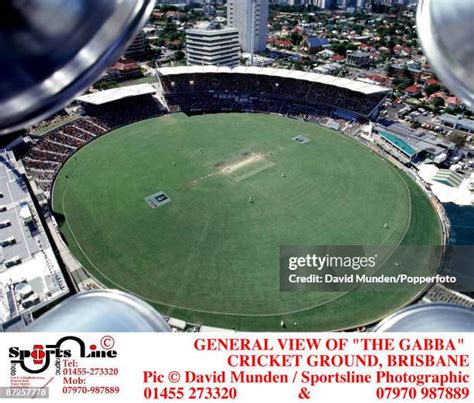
(358, 54)
(453, 119)
(210, 31)
(412, 142)
(316, 42)
(411, 66)
(30, 276)
(125, 64)
(400, 143)
(115, 94)
(413, 89)
(431, 81)
(338, 58)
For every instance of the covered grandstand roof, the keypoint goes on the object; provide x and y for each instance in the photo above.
(399, 143)
(357, 86)
(411, 141)
(116, 94)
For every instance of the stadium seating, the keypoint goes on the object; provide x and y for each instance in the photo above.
(44, 159)
(195, 93)
(239, 92)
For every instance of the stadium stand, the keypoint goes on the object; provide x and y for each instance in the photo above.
(213, 89)
(308, 96)
(440, 294)
(46, 156)
(449, 178)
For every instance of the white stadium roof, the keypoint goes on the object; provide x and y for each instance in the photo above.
(115, 94)
(357, 86)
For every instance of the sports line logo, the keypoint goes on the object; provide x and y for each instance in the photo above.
(41, 355)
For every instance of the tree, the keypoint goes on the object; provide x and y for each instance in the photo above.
(157, 42)
(402, 83)
(432, 88)
(296, 38)
(169, 29)
(179, 55)
(437, 102)
(458, 139)
(459, 109)
(105, 85)
(358, 29)
(406, 72)
(389, 70)
(352, 47)
(339, 47)
(391, 45)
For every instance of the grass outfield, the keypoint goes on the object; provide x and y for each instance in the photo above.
(209, 256)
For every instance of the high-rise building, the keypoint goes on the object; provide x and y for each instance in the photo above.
(326, 4)
(217, 47)
(136, 50)
(250, 18)
(348, 4)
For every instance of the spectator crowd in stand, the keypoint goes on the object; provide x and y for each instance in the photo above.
(200, 93)
(190, 92)
(46, 156)
(124, 112)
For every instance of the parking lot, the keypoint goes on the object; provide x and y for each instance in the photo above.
(409, 114)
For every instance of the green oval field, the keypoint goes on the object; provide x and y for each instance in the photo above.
(238, 186)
